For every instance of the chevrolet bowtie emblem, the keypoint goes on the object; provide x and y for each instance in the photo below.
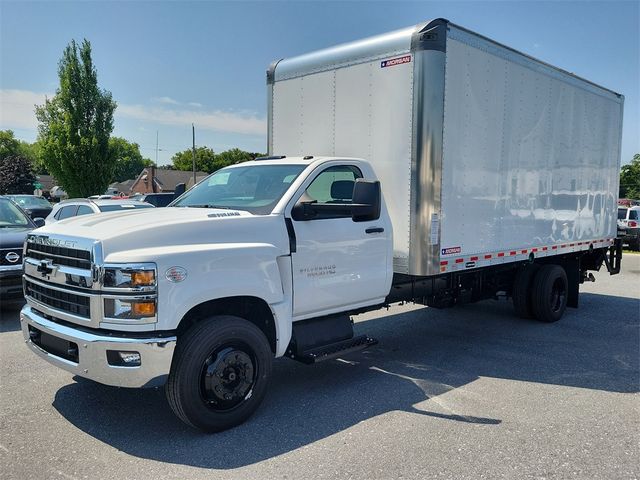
(46, 267)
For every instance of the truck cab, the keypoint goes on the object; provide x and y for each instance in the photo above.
(258, 246)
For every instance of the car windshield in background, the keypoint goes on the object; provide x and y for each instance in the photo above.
(30, 201)
(256, 189)
(11, 216)
(123, 206)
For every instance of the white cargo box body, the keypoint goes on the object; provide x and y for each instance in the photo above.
(485, 154)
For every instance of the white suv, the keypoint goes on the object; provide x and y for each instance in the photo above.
(83, 206)
(629, 226)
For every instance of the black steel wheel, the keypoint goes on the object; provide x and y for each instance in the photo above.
(219, 374)
(550, 292)
(228, 376)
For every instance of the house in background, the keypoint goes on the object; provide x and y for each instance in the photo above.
(159, 180)
(120, 187)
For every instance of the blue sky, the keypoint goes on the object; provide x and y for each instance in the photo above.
(168, 64)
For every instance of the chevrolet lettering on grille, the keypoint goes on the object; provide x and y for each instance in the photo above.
(42, 240)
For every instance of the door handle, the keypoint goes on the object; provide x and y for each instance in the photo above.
(374, 230)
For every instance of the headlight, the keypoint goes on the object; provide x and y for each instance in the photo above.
(136, 276)
(130, 309)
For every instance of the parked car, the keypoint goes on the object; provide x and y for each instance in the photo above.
(155, 199)
(15, 223)
(629, 226)
(86, 206)
(36, 207)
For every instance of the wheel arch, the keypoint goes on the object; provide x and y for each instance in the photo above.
(250, 308)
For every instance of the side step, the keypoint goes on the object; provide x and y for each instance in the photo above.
(335, 350)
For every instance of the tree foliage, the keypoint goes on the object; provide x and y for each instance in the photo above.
(630, 179)
(208, 161)
(9, 145)
(75, 125)
(16, 175)
(129, 162)
(205, 159)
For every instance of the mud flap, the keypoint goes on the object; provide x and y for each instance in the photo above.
(613, 257)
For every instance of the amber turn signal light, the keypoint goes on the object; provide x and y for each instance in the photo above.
(143, 278)
(143, 309)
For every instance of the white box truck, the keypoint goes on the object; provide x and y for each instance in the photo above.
(429, 165)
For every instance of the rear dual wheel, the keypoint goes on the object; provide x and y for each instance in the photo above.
(541, 292)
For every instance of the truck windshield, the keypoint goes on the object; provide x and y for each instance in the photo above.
(256, 188)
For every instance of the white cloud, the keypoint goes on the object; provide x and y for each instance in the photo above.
(166, 100)
(172, 101)
(213, 120)
(17, 111)
(17, 108)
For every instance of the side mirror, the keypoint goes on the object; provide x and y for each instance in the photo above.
(365, 206)
(180, 189)
(39, 221)
(303, 209)
(367, 201)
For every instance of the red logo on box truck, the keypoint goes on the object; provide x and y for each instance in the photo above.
(395, 61)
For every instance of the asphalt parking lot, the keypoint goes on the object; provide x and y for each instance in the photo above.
(471, 392)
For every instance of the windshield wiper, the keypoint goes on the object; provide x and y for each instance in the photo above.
(210, 205)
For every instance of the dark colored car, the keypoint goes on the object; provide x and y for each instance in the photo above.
(155, 199)
(36, 207)
(14, 226)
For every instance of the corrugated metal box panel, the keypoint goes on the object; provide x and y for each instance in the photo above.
(530, 153)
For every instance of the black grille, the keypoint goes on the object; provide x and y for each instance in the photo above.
(65, 301)
(6, 251)
(60, 255)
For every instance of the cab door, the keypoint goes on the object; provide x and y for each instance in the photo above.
(339, 264)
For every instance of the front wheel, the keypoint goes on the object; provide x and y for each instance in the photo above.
(220, 372)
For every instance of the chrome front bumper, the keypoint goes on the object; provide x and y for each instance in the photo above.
(155, 353)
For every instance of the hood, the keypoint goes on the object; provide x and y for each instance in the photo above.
(13, 237)
(171, 226)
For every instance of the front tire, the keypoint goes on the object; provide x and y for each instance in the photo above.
(219, 374)
(550, 292)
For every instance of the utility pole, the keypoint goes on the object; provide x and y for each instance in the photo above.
(156, 147)
(193, 132)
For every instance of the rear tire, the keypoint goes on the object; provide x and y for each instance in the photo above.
(550, 293)
(521, 293)
(219, 374)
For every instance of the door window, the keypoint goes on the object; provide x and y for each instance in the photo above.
(67, 212)
(84, 210)
(334, 185)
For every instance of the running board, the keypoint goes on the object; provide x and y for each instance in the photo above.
(335, 350)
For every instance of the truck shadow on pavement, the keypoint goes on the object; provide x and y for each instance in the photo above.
(421, 355)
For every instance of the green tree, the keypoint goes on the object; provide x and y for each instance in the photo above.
(630, 179)
(74, 126)
(16, 175)
(9, 145)
(234, 155)
(205, 159)
(129, 162)
(208, 161)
